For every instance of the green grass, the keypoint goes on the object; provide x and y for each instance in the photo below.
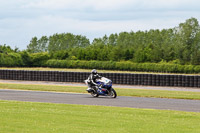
(159, 93)
(22, 117)
(120, 91)
(83, 70)
(38, 87)
(63, 69)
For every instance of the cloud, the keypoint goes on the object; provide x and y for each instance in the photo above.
(20, 20)
(111, 5)
(79, 4)
(22, 30)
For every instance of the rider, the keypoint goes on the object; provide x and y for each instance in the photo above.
(92, 80)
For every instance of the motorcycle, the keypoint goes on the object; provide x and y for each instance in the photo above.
(104, 88)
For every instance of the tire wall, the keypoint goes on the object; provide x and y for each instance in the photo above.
(117, 78)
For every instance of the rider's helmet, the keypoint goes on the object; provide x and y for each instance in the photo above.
(94, 71)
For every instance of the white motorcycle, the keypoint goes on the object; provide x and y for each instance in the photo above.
(104, 88)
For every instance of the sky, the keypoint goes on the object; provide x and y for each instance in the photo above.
(21, 20)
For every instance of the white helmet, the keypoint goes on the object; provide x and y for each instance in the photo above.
(94, 71)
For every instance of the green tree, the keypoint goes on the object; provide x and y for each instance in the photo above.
(112, 40)
(43, 43)
(26, 58)
(66, 41)
(186, 34)
(195, 56)
(33, 46)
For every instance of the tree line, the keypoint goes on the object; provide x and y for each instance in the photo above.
(178, 45)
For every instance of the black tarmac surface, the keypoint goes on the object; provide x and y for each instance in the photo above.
(87, 99)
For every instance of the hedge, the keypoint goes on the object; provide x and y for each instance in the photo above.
(124, 66)
(24, 59)
(10, 60)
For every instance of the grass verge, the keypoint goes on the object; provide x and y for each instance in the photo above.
(47, 117)
(84, 70)
(120, 91)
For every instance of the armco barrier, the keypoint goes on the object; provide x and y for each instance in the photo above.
(117, 78)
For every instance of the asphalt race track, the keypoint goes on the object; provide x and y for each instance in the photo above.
(87, 99)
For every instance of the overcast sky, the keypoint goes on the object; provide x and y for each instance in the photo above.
(20, 20)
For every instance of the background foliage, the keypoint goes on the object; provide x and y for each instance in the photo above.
(168, 50)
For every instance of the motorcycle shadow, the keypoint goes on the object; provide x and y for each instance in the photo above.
(102, 97)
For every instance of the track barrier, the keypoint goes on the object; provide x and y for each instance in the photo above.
(117, 78)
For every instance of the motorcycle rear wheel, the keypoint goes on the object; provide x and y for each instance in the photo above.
(94, 94)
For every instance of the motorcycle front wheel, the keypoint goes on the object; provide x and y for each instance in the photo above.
(113, 93)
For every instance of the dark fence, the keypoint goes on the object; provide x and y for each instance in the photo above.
(117, 78)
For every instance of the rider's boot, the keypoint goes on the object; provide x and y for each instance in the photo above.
(89, 89)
